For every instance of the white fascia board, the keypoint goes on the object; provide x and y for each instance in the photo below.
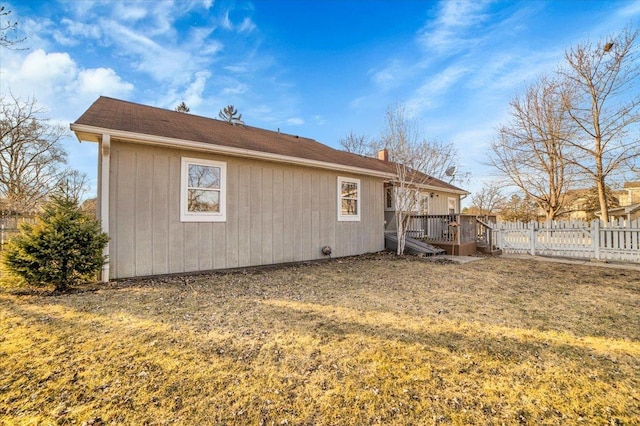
(219, 149)
(434, 188)
(441, 189)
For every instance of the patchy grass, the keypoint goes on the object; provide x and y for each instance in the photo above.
(372, 340)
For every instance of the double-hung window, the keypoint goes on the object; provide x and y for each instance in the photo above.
(452, 205)
(348, 199)
(203, 190)
(389, 194)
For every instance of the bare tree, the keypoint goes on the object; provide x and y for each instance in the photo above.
(31, 154)
(72, 185)
(488, 200)
(182, 107)
(604, 78)
(532, 151)
(518, 208)
(8, 26)
(415, 160)
(90, 206)
(230, 114)
(357, 144)
(591, 202)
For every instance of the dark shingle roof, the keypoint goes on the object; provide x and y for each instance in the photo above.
(115, 114)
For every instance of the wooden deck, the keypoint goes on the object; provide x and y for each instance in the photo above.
(456, 233)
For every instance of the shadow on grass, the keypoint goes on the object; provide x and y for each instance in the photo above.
(133, 366)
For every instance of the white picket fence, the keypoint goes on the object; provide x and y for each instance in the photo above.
(617, 241)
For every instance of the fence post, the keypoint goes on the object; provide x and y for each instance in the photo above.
(532, 238)
(595, 237)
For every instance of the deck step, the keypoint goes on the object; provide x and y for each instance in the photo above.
(411, 245)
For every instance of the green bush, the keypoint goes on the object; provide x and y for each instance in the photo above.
(63, 247)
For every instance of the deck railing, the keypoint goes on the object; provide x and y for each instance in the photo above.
(452, 228)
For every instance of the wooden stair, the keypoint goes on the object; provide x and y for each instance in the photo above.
(411, 245)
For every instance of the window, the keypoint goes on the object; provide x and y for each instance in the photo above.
(452, 205)
(348, 199)
(203, 190)
(424, 203)
(388, 196)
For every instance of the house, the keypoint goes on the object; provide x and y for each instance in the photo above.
(183, 193)
(629, 198)
(629, 194)
(582, 204)
(577, 205)
(627, 213)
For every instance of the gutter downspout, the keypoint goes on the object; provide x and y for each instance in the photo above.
(104, 156)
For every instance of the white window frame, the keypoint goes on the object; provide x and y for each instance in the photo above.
(185, 214)
(423, 203)
(455, 205)
(389, 191)
(349, 217)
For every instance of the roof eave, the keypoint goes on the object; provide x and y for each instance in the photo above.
(94, 134)
(443, 189)
(436, 187)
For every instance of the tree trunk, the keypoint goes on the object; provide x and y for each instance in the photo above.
(602, 197)
(401, 230)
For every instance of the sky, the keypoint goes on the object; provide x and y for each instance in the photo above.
(319, 69)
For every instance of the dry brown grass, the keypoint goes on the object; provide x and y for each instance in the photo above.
(373, 340)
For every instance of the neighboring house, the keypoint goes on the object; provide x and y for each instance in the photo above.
(628, 213)
(576, 205)
(580, 203)
(630, 194)
(183, 193)
(629, 198)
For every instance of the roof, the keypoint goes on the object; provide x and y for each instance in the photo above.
(624, 210)
(143, 123)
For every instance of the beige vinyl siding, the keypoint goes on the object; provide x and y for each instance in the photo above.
(275, 214)
(438, 204)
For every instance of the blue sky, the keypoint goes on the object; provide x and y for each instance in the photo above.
(315, 68)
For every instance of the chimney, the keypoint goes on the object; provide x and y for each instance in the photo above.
(383, 155)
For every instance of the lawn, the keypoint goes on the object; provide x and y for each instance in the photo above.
(359, 341)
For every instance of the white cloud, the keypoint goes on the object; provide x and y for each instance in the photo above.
(193, 94)
(211, 48)
(139, 39)
(441, 82)
(237, 68)
(461, 13)
(78, 29)
(129, 11)
(225, 22)
(319, 120)
(295, 121)
(246, 26)
(448, 33)
(630, 9)
(40, 66)
(434, 87)
(200, 42)
(237, 89)
(391, 75)
(102, 81)
(58, 83)
(162, 63)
